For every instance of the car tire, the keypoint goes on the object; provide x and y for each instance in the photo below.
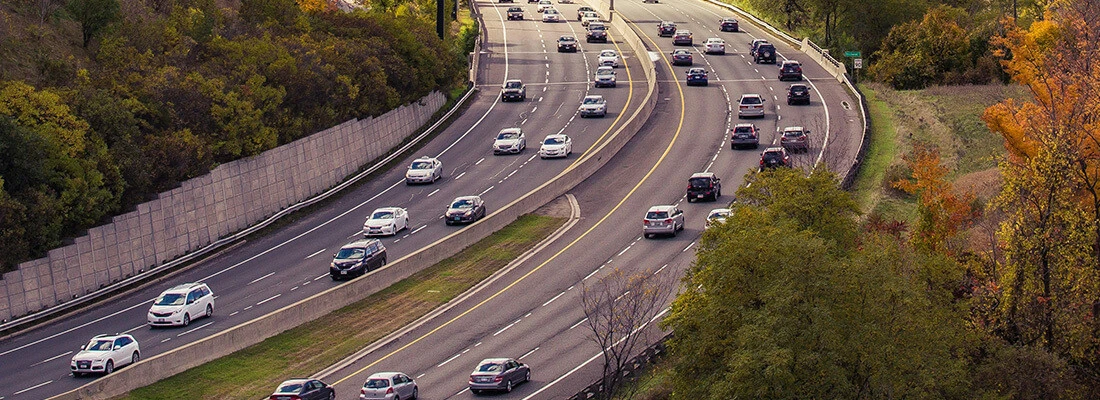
(475, 391)
(332, 395)
(508, 387)
(134, 358)
(384, 260)
(109, 368)
(647, 235)
(527, 376)
(416, 394)
(186, 319)
(209, 310)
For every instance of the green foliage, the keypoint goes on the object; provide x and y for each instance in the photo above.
(775, 308)
(919, 53)
(792, 196)
(93, 16)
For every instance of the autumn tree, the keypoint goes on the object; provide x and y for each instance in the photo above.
(618, 307)
(1051, 196)
(942, 212)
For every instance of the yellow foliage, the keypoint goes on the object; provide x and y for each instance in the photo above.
(317, 5)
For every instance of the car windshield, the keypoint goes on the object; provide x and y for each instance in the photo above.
(515, 9)
(595, 27)
(656, 215)
(99, 345)
(683, 33)
(507, 136)
(742, 129)
(171, 299)
(696, 71)
(699, 182)
(382, 215)
(798, 88)
(554, 140)
(490, 367)
(290, 388)
(604, 71)
(792, 133)
(377, 383)
(718, 214)
(350, 253)
(607, 53)
(592, 100)
(680, 52)
(773, 155)
(750, 100)
(460, 204)
(566, 39)
(513, 85)
(422, 165)
(551, 11)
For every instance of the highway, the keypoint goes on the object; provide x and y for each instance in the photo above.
(533, 311)
(291, 262)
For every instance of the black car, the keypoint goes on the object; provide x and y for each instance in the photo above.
(682, 38)
(681, 57)
(567, 44)
(464, 209)
(697, 76)
(357, 258)
(515, 13)
(764, 54)
(666, 28)
(704, 185)
(303, 389)
(798, 94)
(597, 32)
(774, 157)
(728, 25)
(513, 89)
(790, 69)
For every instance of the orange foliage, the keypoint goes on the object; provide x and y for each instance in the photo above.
(310, 6)
(943, 212)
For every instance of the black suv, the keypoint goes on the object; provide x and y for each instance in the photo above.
(765, 53)
(666, 28)
(597, 32)
(704, 185)
(515, 13)
(567, 43)
(774, 157)
(513, 89)
(798, 94)
(357, 258)
(790, 69)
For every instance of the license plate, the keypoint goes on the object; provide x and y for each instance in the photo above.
(457, 218)
(699, 196)
(343, 272)
(160, 320)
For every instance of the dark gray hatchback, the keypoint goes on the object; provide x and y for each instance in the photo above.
(357, 258)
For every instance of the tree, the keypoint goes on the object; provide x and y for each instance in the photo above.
(617, 308)
(46, 8)
(920, 53)
(93, 16)
(943, 213)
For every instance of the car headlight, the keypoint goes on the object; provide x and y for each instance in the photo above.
(468, 212)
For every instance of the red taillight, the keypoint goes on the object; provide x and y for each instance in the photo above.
(744, 107)
(668, 221)
(390, 390)
(645, 221)
(363, 391)
(498, 379)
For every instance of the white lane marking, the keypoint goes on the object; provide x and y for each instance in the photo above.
(314, 254)
(293, 288)
(134, 328)
(418, 229)
(260, 278)
(269, 299)
(319, 277)
(76, 327)
(34, 387)
(234, 313)
(660, 269)
(624, 251)
(506, 328)
(165, 340)
(452, 358)
(552, 299)
(592, 273)
(53, 358)
(578, 323)
(195, 329)
(434, 192)
(419, 376)
(462, 174)
(247, 308)
(528, 353)
(688, 247)
(486, 191)
(479, 161)
(477, 344)
(467, 389)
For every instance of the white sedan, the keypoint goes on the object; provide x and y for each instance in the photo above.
(509, 141)
(543, 5)
(551, 15)
(609, 58)
(386, 221)
(556, 145)
(716, 46)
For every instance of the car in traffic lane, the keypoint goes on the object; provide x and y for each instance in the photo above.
(551, 15)
(464, 209)
(567, 43)
(662, 220)
(596, 32)
(556, 145)
(513, 89)
(666, 28)
(104, 353)
(498, 374)
(728, 25)
(424, 170)
(181, 304)
(509, 141)
(303, 389)
(774, 157)
(357, 258)
(697, 76)
(744, 135)
(386, 221)
(795, 139)
(389, 386)
(704, 185)
(682, 38)
(681, 57)
(798, 94)
(515, 13)
(790, 69)
(605, 77)
(717, 216)
(750, 105)
(715, 46)
(608, 57)
(582, 10)
(593, 106)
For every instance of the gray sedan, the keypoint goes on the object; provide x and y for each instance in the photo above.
(498, 374)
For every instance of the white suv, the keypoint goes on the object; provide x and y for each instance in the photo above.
(662, 220)
(716, 46)
(104, 353)
(181, 304)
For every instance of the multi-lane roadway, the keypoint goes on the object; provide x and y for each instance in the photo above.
(532, 311)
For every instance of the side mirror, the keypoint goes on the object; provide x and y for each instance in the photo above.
(117, 347)
(83, 346)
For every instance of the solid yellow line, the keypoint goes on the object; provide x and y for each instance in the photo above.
(664, 154)
(629, 97)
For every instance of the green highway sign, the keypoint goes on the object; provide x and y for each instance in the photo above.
(853, 54)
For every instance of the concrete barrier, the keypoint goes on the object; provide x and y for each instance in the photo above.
(161, 366)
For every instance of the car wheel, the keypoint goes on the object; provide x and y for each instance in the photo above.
(109, 368)
(135, 358)
(383, 260)
(416, 393)
(332, 395)
(647, 236)
(186, 319)
(475, 391)
(508, 388)
(527, 376)
(690, 199)
(209, 310)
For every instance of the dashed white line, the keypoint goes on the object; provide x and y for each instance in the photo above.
(200, 327)
(293, 288)
(247, 308)
(621, 252)
(316, 253)
(578, 323)
(319, 277)
(506, 328)
(660, 269)
(528, 353)
(52, 358)
(433, 192)
(260, 278)
(486, 190)
(234, 313)
(269, 299)
(552, 299)
(688, 247)
(34, 387)
(461, 175)
(452, 358)
(134, 328)
(479, 161)
(165, 340)
(592, 273)
(419, 376)
(418, 229)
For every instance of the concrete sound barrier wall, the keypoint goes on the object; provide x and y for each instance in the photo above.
(255, 331)
(203, 210)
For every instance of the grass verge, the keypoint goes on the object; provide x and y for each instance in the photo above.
(882, 150)
(254, 371)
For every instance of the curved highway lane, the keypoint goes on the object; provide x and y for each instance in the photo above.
(291, 263)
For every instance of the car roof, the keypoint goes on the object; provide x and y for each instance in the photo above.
(702, 175)
(567, 37)
(745, 125)
(466, 198)
(494, 360)
(110, 336)
(594, 96)
(183, 287)
(683, 31)
(426, 158)
(681, 51)
(773, 149)
(556, 135)
(511, 130)
(510, 80)
(800, 85)
(785, 62)
(696, 69)
(793, 129)
(391, 209)
(714, 39)
(383, 375)
(720, 210)
(662, 208)
(359, 243)
(729, 19)
(749, 95)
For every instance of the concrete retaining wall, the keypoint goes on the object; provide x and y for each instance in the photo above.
(230, 198)
(165, 365)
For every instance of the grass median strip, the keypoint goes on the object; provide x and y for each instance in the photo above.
(254, 371)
